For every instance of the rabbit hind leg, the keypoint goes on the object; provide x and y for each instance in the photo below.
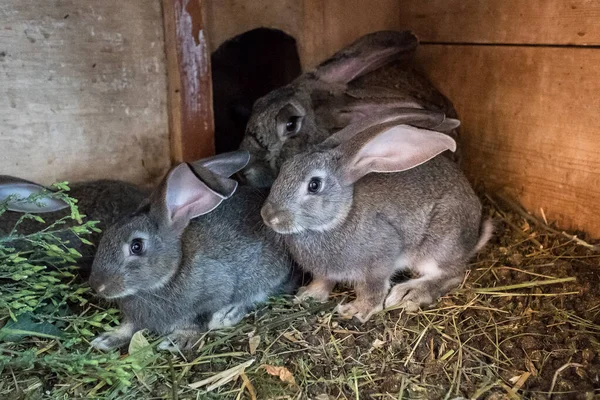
(432, 283)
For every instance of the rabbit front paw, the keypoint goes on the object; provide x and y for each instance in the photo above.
(114, 339)
(359, 309)
(227, 316)
(409, 295)
(180, 340)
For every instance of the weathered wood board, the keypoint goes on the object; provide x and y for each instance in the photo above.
(190, 91)
(329, 25)
(83, 90)
(321, 27)
(557, 22)
(530, 123)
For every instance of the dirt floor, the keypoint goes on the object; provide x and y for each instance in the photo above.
(524, 325)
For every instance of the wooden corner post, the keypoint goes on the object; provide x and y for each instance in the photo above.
(189, 81)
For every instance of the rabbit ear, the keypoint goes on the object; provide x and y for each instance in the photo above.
(10, 185)
(410, 116)
(186, 196)
(390, 148)
(356, 110)
(368, 53)
(225, 164)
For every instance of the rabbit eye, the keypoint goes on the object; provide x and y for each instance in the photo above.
(314, 185)
(292, 125)
(136, 247)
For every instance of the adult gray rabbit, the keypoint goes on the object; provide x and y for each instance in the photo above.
(373, 200)
(194, 256)
(342, 90)
(105, 201)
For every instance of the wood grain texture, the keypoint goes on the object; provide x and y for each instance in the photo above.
(320, 27)
(228, 18)
(83, 90)
(563, 22)
(530, 123)
(190, 86)
(344, 21)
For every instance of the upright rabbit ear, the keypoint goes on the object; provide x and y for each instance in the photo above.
(225, 164)
(186, 195)
(410, 116)
(368, 53)
(10, 185)
(390, 148)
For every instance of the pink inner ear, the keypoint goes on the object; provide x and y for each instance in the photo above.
(400, 148)
(187, 196)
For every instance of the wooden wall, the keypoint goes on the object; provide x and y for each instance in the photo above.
(321, 27)
(83, 90)
(524, 77)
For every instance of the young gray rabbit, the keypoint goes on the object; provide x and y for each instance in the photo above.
(193, 256)
(373, 200)
(342, 90)
(105, 201)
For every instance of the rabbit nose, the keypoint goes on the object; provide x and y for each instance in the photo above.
(96, 285)
(271, 215)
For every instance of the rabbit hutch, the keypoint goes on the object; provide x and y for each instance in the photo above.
(126, 89)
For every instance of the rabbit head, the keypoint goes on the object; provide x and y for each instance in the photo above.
(314, 190)
(305, 112)
(142, 252)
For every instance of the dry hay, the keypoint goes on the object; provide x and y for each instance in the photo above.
(524, 324)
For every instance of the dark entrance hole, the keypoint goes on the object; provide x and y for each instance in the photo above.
(245, 68)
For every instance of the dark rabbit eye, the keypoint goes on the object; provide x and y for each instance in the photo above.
(292, 125)
(314, 185)
(137, 247)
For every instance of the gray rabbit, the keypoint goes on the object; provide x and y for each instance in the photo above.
(105, 201)
(373, 200)
(194, 256)
(349, 86)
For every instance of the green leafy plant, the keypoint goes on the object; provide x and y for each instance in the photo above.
(45, 317)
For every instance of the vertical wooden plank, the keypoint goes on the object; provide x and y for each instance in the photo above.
(529, 123)
(190, 88)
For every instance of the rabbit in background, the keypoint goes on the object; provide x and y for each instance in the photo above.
(105, 201)
(346, 88)
(373, 199)
(194, 256)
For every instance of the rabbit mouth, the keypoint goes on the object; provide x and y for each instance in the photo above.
(109, 293)
(287, 229)
(120, 295)
(281, 221)
(110, 288)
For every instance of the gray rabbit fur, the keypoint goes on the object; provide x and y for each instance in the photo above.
(205, 258)
(373, 200)
(105, 201)
(342, 90)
